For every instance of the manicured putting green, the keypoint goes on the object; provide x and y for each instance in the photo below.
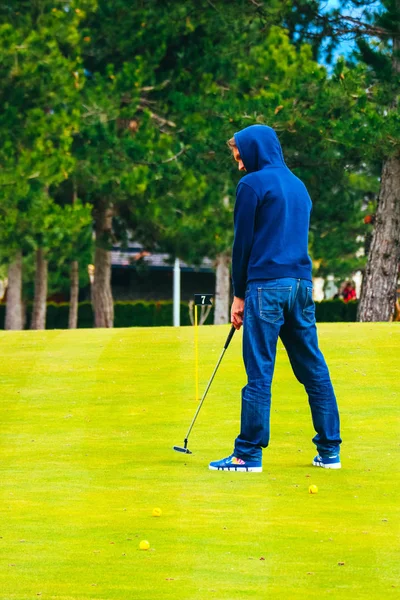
(88, 421)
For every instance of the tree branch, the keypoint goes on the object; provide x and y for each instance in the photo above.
(163, 162)
(173, 157)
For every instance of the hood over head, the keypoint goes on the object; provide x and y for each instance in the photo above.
(259, 147)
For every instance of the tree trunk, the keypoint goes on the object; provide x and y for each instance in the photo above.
(39, 302)
(222, 289)
(102, 299)
(14, 316)
(378, 293)
(74, 293)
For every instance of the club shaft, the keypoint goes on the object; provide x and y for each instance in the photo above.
(205, 393)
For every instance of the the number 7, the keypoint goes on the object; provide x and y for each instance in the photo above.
(203, 299)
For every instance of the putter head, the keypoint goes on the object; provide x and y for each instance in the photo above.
(181, 449)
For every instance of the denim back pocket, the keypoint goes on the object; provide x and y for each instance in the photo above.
(309, 307)
(271, 303)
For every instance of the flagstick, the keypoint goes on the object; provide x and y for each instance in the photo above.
(196, 350)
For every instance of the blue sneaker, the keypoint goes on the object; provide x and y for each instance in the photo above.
(327, 462)
(232, 463)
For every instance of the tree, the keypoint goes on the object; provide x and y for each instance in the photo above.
(380, 279)
(137, 60)
(39, 91)
(12, 229)
(261, 77)
(376, 31)
(14, 316)
(152, 148)
(134, 104)
(122, 139)
(76, 245)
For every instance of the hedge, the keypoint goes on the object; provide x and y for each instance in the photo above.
(126, 314)
(155, 314)
(336, 311)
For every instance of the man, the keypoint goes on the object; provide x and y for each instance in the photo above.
(271, 274)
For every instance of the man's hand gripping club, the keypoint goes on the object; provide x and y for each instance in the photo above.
(237, 312)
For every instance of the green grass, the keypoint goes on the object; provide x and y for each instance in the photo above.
(88, 421)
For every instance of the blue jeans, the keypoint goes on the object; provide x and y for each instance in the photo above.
(285, 308)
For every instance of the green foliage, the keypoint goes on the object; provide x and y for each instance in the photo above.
(360, 123)
(40, 95)
(129, 106)
(261, 77)
(153, 136)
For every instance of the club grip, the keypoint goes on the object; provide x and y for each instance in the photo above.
(230, 336)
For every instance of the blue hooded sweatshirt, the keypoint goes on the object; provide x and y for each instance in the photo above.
(272, 214)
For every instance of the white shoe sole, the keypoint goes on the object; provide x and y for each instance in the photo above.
(244, 469)
(331, 466)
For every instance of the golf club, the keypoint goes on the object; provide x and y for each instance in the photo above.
(184, 448)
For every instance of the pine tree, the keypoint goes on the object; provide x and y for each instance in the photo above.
(376, 31)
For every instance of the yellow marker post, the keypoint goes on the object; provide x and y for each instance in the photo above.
(199, 300)
(196, 351)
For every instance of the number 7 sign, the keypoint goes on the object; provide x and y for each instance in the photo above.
(203, 299)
